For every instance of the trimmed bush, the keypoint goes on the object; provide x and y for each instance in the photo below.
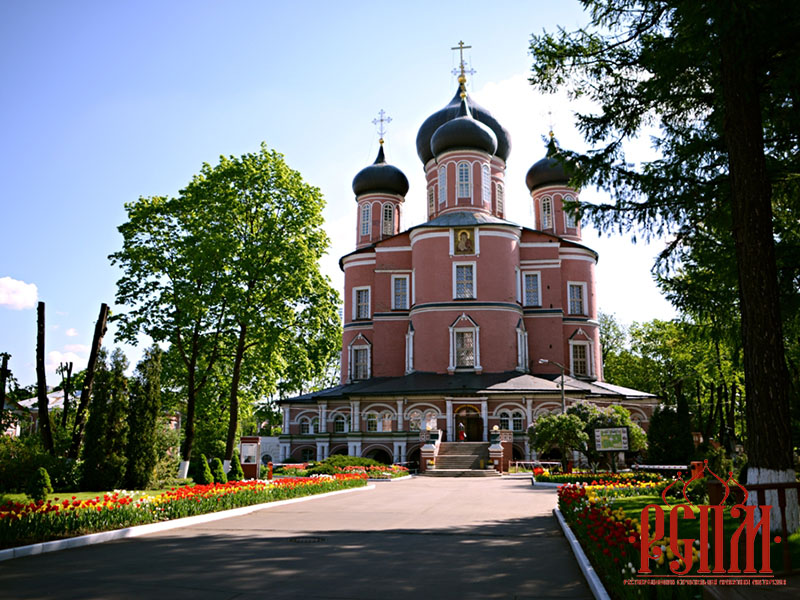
(39, 485)
(218, 471)
(339, 460)
(235, 473)
(202, 472)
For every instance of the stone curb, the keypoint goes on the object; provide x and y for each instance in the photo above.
(587, 569)
(403, 478)
(547, 484)
(137, 530)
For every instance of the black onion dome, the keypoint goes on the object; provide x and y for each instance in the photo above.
(380, 176)
(463, 132)
(544, 172)
(450, 112)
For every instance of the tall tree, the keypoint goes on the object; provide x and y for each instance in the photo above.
(268, 222)
(686, 67)
(4, 373)
(145, 406)
(41, 383)
(65, 370)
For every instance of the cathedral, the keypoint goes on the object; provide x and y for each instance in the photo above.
(466, 323)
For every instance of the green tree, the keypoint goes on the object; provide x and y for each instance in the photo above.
(236, 473)
(562, 431)
(595, 417)
(724, 103)
(145, 408)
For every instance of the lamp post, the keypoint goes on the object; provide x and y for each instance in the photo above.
(544, 361)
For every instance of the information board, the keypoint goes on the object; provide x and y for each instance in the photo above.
(611, 439)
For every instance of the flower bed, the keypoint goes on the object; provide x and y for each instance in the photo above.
(22, 523)
(375, 472)
(588, 477)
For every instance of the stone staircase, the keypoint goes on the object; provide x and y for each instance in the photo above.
(462, 459)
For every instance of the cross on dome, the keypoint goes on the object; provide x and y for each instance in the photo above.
(462, 77)
(381, 124)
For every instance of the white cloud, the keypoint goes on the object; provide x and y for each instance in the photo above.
(56, 357)
(71, 332)
(17, 295)
(77, 348)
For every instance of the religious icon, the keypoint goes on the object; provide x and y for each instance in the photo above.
(465, 241)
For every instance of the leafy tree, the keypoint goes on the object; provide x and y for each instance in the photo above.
(104, 459)
(666, 443)
(726, 107)
(562, 431)
(145, 407)
(595, 417)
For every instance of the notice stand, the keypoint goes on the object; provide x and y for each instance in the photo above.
(611, 439)
(250, 451)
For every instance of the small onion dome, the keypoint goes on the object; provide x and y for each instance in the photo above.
(380, 176)
(463, 132)
(449, 113)
(544, 172)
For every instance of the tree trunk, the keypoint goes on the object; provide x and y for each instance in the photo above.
(67, 389)
(234, 404)
(767, 384)
(4, 372)
(86, 390)
(41, 383)
(709, 425)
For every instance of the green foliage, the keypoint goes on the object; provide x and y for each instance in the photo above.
(39, 485)
(218, 471)
(341, 460)
(563, 431)
(235, 473)
(201, 471)
(19, 457)
(104, 461)
(596, 417)
(145, 406)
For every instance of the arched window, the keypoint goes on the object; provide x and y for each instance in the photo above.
(463, 180)
(415, 420)
(570, 219)
(308, 454)
(305, 426)
(431, 420)
(339, 423)
(372, 422)
(500, 206)
(547, 213)
(504, 420)
(486, 186)
(386, 421)
(315, 425)
(516, 421)
(365, 219)
(442, 184)
(388, 219)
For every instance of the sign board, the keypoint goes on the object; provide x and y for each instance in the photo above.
(611, 439)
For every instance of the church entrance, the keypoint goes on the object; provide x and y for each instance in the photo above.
(473, 424)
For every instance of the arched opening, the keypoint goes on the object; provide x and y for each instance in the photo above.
(413, 458)
(381, 455)
(472, 429)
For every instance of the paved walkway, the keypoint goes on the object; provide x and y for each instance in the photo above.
(422, 538)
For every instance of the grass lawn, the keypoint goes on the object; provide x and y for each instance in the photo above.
(73, 495)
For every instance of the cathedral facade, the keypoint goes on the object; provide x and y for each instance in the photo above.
(465, 322)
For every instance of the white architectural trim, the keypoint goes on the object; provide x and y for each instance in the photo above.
(355, 316)
(408, 292)
(526, 272)
(359, 263)
(474, 266)
(588, 345)
(584, 298)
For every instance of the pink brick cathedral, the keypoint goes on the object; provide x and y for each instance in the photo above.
(462, 323)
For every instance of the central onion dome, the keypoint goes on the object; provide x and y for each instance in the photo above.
(463, 132)
(380, 176)
(450, 112)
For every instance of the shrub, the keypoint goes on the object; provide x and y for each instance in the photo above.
(322, 469)
(39, 485)
(340, 460)
(202, 472)
(19, 457)
(218, 471)
(235, 473)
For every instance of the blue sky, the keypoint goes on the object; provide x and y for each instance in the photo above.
(103, 102)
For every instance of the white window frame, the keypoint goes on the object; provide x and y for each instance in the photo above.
(340, 418)
(476, 338)
(517, 416)
(570, 221)
(415, 420)
(474, 267)
(443, 184)
(589, 363)
(366, 209)
(486, 185)
(352, 362)
(371, 422)
(505, 420)
(394, 292)
(522, 348)
(584, 305)
(431, 201)
(538, 275)
(356, 315)
(463, 185)
(500, 199)
(547, 213)
(305, 426)
(387, 222)
(410, 349)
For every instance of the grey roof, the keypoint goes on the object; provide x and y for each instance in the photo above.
(465, 219)
(463, 132)
(546, 171)
(469, 384)
(380, 176)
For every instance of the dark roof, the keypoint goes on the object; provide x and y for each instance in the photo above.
(449, 112)
(463, 132)
(544, 172)
(469, 384)
(380, 176)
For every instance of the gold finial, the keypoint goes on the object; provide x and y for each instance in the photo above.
(381, 123)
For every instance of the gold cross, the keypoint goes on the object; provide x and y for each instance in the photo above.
(380, 121)
(460, 49)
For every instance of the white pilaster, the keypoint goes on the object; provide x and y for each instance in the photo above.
(485, 417)
(400, 423)
(286, 410)
(355, 411)
(323, 417)
(449, 404)
(528, 412)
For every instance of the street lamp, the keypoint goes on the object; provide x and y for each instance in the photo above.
(544, 361)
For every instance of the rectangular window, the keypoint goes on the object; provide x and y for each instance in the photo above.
(576, 300)
(465, 281)
(362, 304)
(532, 290)
(400, 293)
(580, 362)
(442, 185)
(463, 181)
(465, 348)
(339, 425)
(360, 363)
(517, 422)
(499, 200)
(547, 213)
(486, 186)
(431, 200)
(365, 219)
(372, 422)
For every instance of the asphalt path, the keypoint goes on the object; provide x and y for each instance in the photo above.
(423, 538)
